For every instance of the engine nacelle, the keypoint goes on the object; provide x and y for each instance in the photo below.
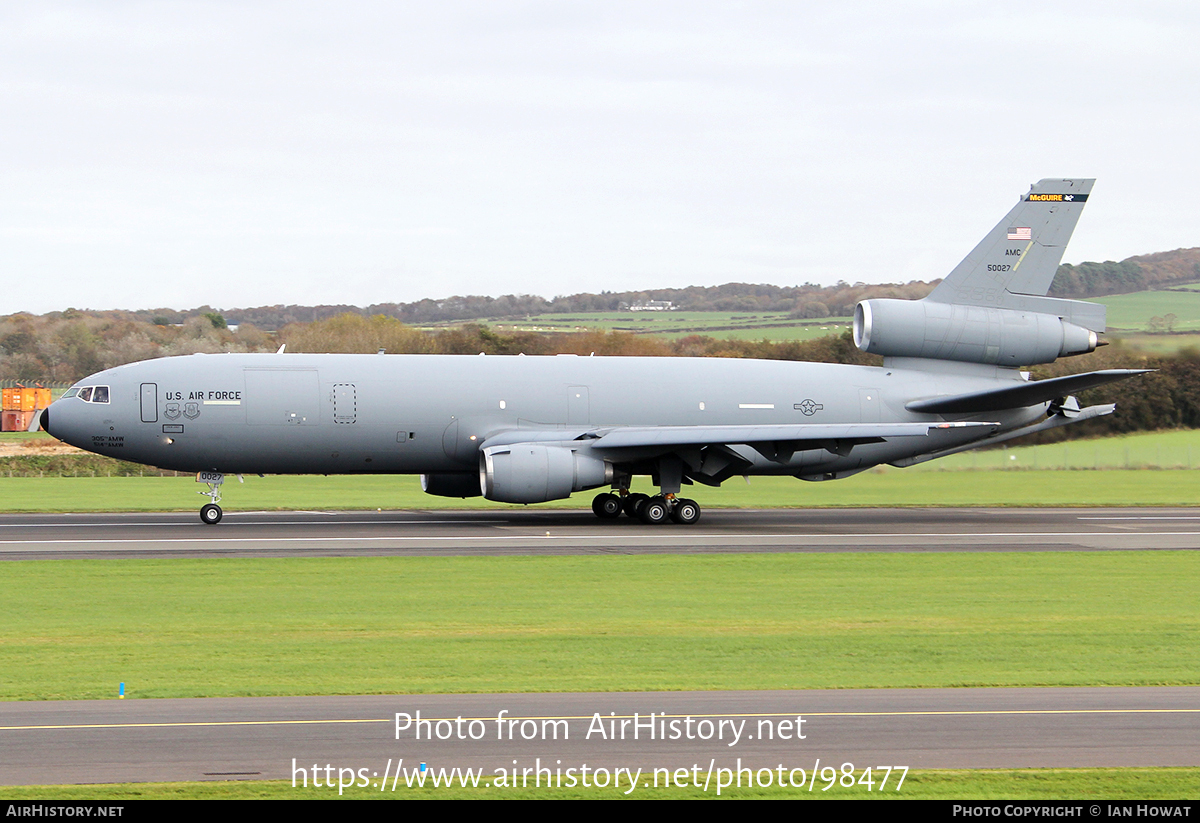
(974, 334)
(451, 485)
(536, 472)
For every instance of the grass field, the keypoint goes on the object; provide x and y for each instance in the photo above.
(74, 629)
(23, 437)
(883, 487)
(1160, 344)
(1149, 469)
(1133, 311)
(1157, 450)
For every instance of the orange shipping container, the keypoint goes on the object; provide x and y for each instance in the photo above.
(15, 421)
(25, 399)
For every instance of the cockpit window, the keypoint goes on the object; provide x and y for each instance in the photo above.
(89, 394)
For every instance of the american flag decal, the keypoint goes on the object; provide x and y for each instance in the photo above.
(1020, 233)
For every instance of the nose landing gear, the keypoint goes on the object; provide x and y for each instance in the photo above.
(210, 513)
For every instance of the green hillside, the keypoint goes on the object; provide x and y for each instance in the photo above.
(1137, 311)
(676, 324)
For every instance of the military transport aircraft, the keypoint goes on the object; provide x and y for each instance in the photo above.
(530, 429)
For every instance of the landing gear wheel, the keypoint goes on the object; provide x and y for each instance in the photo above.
(606, 506)
(632, 502)
(211, 514)
(654, 511)
(686, 512)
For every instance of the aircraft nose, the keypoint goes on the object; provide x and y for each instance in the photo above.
(62, 422)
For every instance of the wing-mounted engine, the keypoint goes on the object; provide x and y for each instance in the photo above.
(973, 334)
(537, 472)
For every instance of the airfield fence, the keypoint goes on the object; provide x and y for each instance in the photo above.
(49, 384)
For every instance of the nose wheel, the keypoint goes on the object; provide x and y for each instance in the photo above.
(210, 513)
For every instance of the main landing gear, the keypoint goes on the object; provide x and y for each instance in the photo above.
(651, 510)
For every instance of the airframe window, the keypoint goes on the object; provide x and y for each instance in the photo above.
(70, 393)
(100, 395)
(85, 394)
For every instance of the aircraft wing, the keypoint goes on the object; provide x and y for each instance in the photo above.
(640, 437)
(1019, 394)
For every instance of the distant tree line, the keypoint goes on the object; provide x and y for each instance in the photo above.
(1147, 271)
(65, 346)
(807, 301)
(1096, 279)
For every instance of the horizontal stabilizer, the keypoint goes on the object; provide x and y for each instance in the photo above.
(656, 436)
(1019, 394)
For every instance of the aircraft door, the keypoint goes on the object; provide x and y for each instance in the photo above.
(345, 403)
(149, 397)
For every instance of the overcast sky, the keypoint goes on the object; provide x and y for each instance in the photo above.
(246, 153)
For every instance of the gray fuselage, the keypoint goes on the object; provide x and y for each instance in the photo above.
(415, 414)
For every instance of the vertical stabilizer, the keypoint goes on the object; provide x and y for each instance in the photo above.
(1021, 254)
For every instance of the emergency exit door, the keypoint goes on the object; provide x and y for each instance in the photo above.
(149, 395)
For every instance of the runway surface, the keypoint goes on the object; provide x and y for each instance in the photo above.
(258, 738)
(546, 531)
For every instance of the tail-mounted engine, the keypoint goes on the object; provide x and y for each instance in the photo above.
(974, 334)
